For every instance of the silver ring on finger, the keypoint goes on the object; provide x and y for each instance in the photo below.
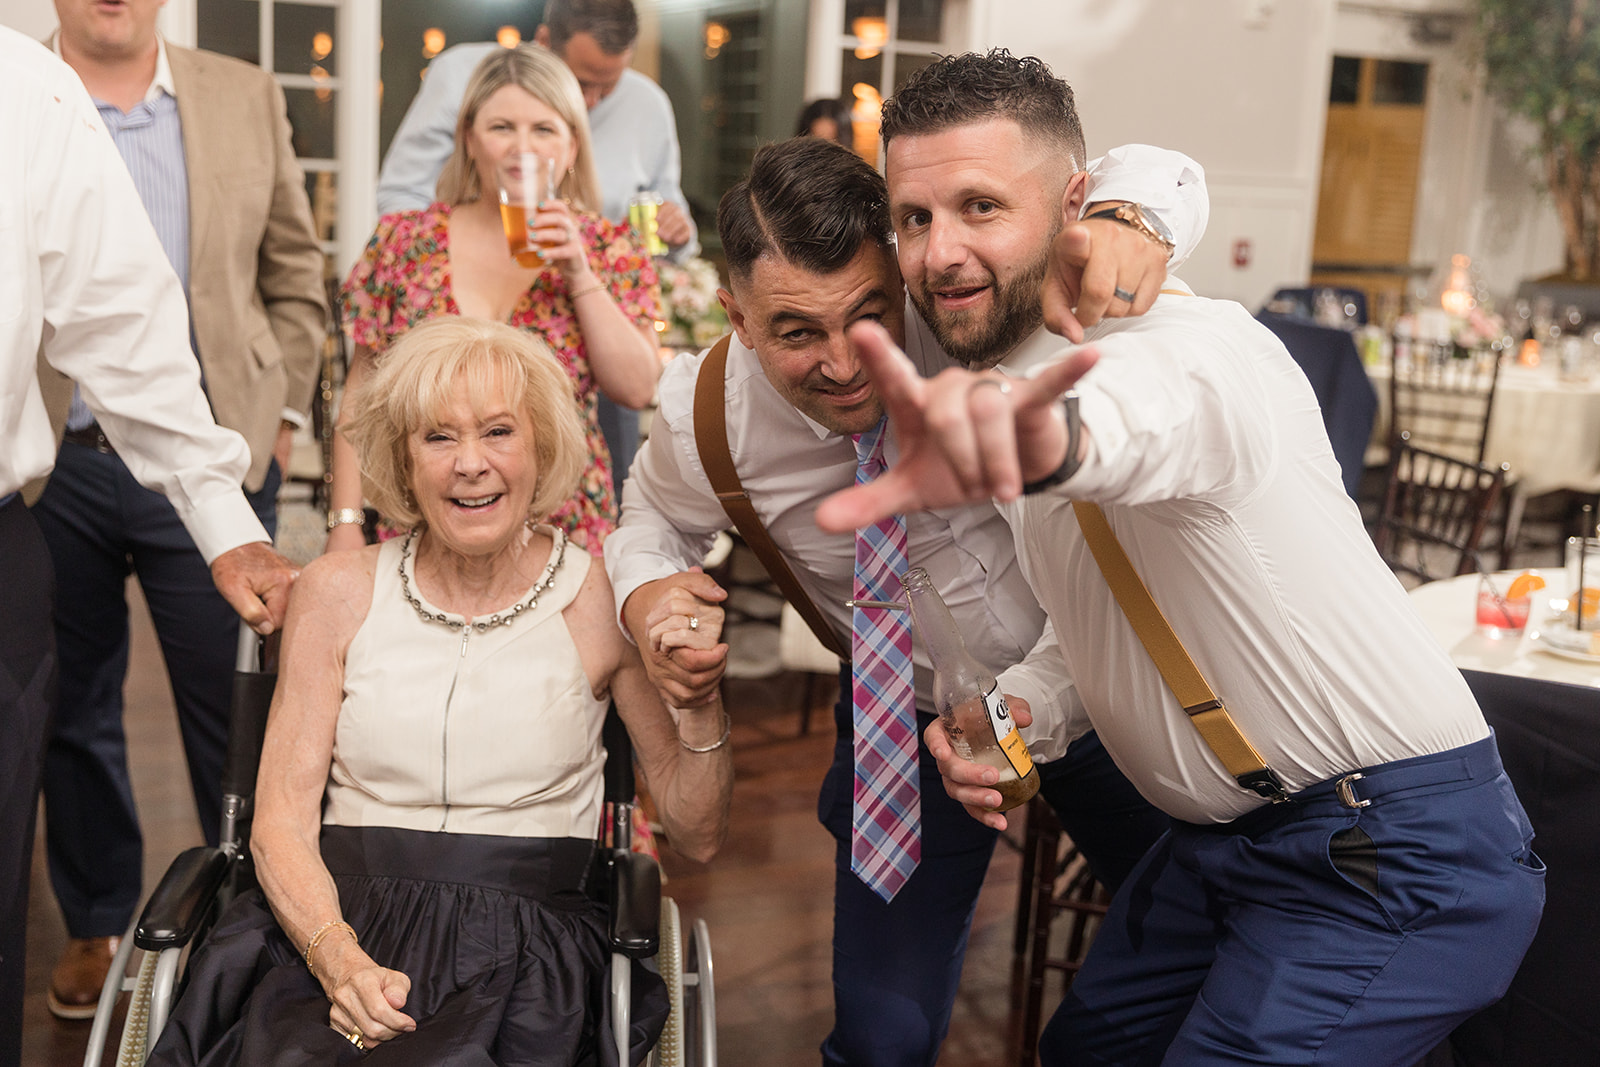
(1122, 294)
(694, 623)
(999, 383)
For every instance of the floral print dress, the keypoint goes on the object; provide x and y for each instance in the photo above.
(403, 279)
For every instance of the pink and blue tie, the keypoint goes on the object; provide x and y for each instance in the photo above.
(886, 843)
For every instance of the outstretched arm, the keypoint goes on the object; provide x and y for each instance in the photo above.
(963, 436)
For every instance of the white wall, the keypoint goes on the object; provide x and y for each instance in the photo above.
(1241, 85)
(36, 18)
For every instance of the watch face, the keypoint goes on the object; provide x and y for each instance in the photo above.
(1155, 222)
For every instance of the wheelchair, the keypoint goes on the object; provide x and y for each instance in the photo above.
(201, 881)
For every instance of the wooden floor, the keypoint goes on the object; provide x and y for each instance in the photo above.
(767, 898)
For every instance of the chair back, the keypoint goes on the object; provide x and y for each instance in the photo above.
(1435, 501)
(1444, 403)
(1300, 302)
(1349, 403)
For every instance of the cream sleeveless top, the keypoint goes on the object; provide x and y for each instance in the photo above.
(453, 729)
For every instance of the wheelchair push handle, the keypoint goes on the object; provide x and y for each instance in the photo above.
(255, 675)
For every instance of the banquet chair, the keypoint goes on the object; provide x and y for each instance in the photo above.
(201, 881)
(1331, 364)
(1434, 501)
(1055, 880)
(1551, 751)
(1444, 403)
(1300, 302)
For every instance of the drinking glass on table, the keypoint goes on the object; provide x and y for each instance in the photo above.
(1502, 614)
(526, 180)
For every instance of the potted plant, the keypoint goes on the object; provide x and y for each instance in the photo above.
(1542, 61)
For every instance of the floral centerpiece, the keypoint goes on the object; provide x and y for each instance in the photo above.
(694, 318)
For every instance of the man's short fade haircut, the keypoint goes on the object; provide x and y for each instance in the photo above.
(811, 201)
(614, 24)
(963, 89)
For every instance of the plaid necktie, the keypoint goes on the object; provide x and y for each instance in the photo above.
(886, 844)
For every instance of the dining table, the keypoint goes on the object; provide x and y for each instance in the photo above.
(1449, 608)
(1544, 708)
(1546, 426)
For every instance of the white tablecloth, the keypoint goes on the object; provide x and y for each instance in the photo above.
(1450, 607)
(1547, 429)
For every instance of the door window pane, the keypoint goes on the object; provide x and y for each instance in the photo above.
(1346, 83)
(873, 11)
(920, 20)
(231, 27)
(1399, 83)
(302, 39)
(907, 64)
(311, 115)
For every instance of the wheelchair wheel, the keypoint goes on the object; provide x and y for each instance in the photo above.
(669, 959)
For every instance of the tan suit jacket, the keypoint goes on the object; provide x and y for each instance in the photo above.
(256, 294)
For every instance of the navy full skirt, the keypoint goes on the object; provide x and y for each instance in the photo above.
(502, 939)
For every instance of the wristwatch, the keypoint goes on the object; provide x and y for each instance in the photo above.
(1143, 219)
(1069, 465)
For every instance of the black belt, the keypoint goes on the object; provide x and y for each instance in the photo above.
(91, 436)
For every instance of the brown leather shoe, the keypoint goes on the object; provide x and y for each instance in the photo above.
(79, 974)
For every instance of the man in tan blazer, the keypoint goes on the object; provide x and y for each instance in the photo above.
(207, 141)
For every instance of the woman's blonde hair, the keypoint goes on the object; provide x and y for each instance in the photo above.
(537, 70)
(417, 379)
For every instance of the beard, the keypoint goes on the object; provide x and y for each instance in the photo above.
(982, 339)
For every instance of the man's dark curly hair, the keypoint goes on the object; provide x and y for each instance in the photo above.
(960, 90)
(812, 201)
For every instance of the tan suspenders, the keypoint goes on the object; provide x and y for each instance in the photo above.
(1194, 695)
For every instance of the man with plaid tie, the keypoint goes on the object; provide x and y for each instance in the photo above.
(802, 422)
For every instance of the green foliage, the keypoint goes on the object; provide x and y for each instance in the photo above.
(1542, 61)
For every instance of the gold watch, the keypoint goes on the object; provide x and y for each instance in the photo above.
(1143, 219)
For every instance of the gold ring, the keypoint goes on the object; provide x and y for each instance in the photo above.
(694, 622)
(354, 1037)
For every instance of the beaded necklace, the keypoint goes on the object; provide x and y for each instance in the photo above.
(499, 618)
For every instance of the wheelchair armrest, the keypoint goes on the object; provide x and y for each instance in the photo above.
(634, 896)
(174, 911)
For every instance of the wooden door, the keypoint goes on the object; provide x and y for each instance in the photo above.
(1371, 156)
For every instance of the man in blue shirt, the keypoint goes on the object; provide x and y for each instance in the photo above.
(634, 133)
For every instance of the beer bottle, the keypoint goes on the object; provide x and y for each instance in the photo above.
(967, 698)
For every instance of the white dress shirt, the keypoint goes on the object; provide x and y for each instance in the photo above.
(83, 280)
(789, 464)
(1208, 454)
(632, 128)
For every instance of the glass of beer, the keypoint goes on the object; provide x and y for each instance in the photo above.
(526, 180)
(642, 209)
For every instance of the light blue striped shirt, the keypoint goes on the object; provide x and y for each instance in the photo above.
(150, 140)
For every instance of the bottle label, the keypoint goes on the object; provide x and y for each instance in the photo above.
(1006, 732)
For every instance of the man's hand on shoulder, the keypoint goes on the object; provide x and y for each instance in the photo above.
(255, 580)
(1092, 261)
(677, 624)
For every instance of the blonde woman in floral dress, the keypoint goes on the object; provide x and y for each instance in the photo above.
(594, 302)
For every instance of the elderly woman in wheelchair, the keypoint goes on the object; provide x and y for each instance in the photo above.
(430, 783)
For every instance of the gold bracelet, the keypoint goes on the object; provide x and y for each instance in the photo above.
(316, 939)
(595, 288)
(727, 729)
